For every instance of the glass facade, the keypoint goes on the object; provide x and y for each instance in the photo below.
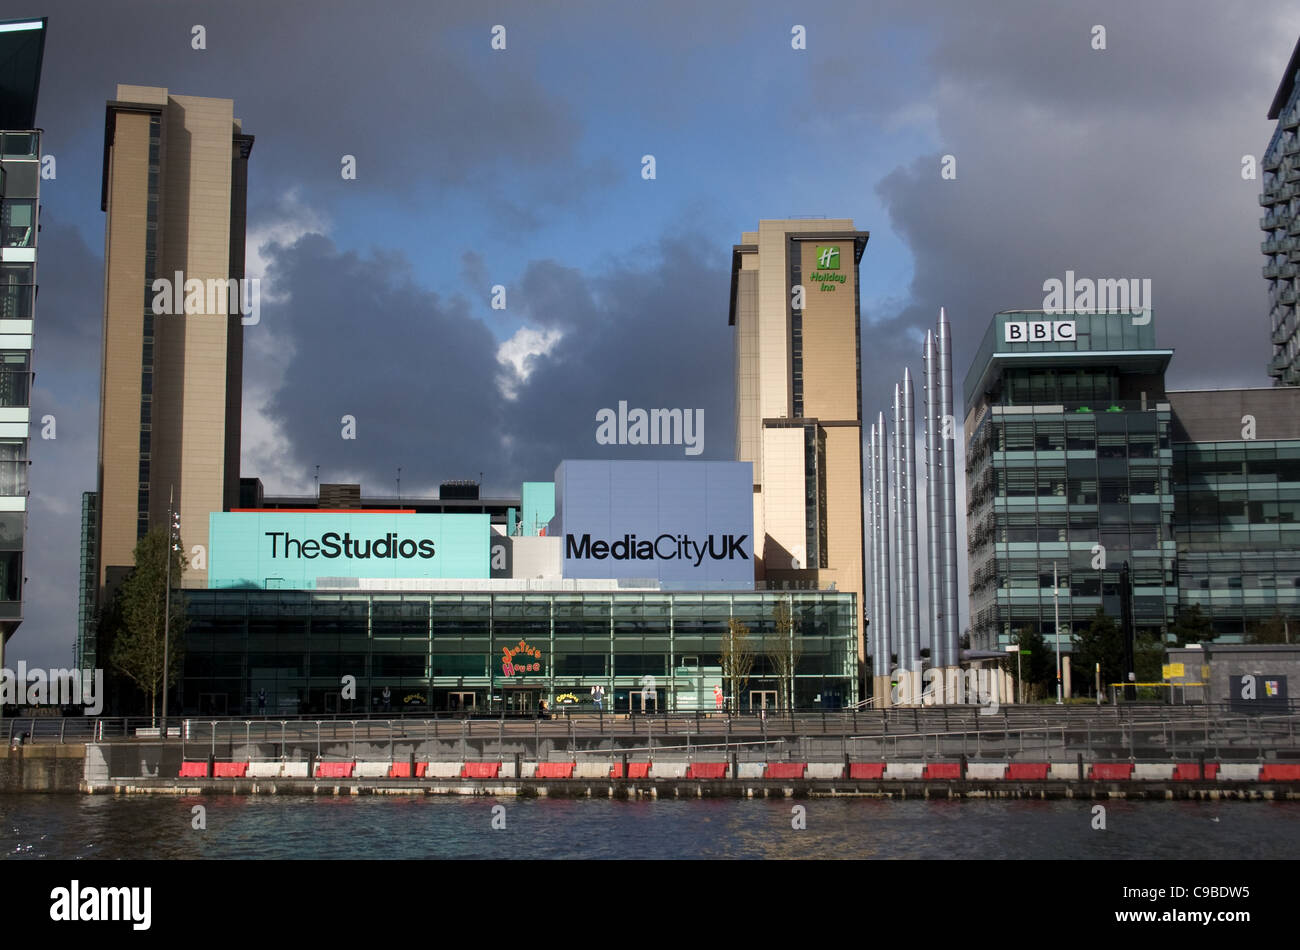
(1280, 200)
(1069, 467)
(20, 177)
(446, 651)
(1237, 523)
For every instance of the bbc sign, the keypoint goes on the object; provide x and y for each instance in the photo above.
(1038, 331)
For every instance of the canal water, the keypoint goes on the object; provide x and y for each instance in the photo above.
(378, 827)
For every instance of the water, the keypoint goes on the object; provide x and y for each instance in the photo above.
(79, 826)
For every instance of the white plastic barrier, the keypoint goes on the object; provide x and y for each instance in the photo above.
(371, 770)
(1153, 772)
(266, 769)
(591, 770)
(1239, 771)
(824, 770)
(986, 771)
(443, 770)
(663, 769)
(295, 770)
(752, 769)
(1066, 770)
(904, 770)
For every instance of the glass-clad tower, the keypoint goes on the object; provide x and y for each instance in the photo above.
(1068, 465)
(22, 45)
(1281, 224)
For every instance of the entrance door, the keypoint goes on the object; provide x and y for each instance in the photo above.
(644, 701)
(762, 699)
(459, 701)
(331, 703)
(522, 701)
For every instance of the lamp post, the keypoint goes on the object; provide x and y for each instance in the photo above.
(173, 545)
(1056, 607)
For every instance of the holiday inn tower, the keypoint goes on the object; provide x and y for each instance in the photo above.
(795, 309)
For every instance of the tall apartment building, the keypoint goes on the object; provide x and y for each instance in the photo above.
(174, 190)
(22, 47)
(1068, 466)
(795, 307)
(1281, 224)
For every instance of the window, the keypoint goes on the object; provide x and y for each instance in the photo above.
(18, 222)
(13, 468)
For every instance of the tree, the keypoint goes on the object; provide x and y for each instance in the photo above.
(737, 659)
(1191, 626)
(1037, 664)
(1101, 642)
(784, 650)
(140, 615)
(1276, 629)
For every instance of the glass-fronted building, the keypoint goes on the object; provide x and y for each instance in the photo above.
(446, 650)
(22, 44)
(1281, 225)
(1236, 475)
(1068, 468)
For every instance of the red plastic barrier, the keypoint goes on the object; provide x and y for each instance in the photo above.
(634, 770)
(1191, 771)
(194, 770)
(480, 770)
(707, 770)
(1111, 771)
(229, 769)
(786, 769)
(1279, 773)
(1028, 771)
(867, 770)
(334, 769)
(554, 770)
(942, 770)
(403, 769)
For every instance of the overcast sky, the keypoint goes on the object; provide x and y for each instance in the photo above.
(523, 167)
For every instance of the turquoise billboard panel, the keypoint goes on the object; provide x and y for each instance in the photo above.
(290, 550)
(538, 507)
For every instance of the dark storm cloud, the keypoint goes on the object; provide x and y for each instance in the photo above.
(420, 373)
(413, 91)
(1117, 163)
(654, 335)
(417, 372)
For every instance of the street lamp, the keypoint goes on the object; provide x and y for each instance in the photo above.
(173, 545)
(1056, 607)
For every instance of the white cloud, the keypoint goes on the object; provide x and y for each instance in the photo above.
(516, 356)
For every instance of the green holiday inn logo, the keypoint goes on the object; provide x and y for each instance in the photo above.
(826, 272)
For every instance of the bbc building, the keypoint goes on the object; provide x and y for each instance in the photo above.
(623, 575)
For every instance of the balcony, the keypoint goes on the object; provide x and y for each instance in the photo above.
(1290, 118)
(1282, 332)
(1278, 363)
(1271, 271)
(1274, 220)
(16, 301)
(1287, 297)
(1291, 145)
(1277, 245)
(1272, 160)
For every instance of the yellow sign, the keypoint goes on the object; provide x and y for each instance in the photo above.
(1171, 670)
